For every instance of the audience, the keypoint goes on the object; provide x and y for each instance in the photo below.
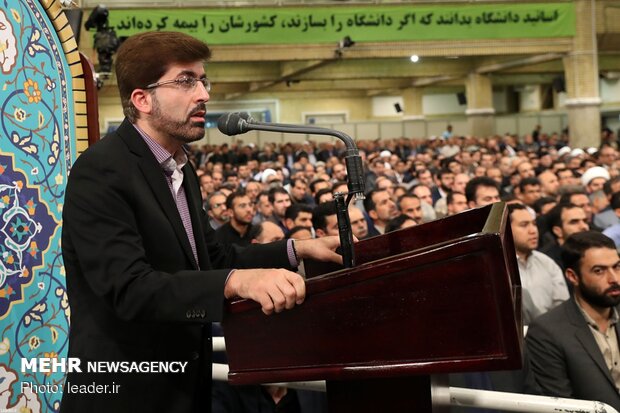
(556, 193)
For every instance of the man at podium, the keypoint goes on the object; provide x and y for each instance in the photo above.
(145, 276)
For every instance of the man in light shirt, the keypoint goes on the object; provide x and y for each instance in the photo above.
(541, 277)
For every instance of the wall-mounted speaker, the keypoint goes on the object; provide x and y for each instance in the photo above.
(462, 98)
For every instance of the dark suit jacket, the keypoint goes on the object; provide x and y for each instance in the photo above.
(134, 288)
(435, 194)
(565, 359)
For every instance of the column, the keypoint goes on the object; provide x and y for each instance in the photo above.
(412, 99)
(480, 111)
(582, 83)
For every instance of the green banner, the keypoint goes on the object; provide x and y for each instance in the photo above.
(363, 24)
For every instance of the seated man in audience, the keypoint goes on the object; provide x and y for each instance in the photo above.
(566, 177)
(300, 233)
(324, 219)
(411, 206)
(237, 230)
(481, 191)
(359, 226)
(299, 192)
(298, 215)
(456, 202)
(574, 348)
(264, 208)
(563, 220)
(540, 275)
(613, 231)
(549, 183)
(216, 209)
(266, 232)
(529, 191)
(323, 195)
(580, 198)
(607, 217)
(424, 193)
(206, 185)
(380, 208)
(400, 222)
(594, 178)
(386, 184)
(280, 201)
(317, 185)
(252, 190)
(444, 181)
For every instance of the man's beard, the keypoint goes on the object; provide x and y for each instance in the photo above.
(600, 300)
(185, 131)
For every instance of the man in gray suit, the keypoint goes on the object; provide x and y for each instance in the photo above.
(574, 347)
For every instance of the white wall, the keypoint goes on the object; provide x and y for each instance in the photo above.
(384, 106)
(442, 104)
(610, 91)
(529, 98)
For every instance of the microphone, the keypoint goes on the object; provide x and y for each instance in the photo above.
(231, 124)
(237, 123)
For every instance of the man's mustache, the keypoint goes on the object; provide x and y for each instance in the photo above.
(201, 107)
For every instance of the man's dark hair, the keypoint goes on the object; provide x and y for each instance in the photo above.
(143, 59)
(369, 203)
(230, 174)
(444, 171)
(217, 193)
(296, 229)
(515, 207)
(208, 175)
(607, 185)
(566, 196)
(320, 214)
(262, 193)
(472, 186)
(396, 223)
(554, 216)
(565, 169)
(541, 202)
(276, 190)
(320, 193)
(312, 185)
(614, 203)
(295, 209)
(577, 244)
(234, 195)
(450, 197)
(530, 181)
(405, 196)
(255, 231)
(294, 181)
(339, 183)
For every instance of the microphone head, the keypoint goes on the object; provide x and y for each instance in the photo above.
(246, 116)
(233, 123)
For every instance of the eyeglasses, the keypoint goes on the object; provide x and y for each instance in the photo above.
(185, 82)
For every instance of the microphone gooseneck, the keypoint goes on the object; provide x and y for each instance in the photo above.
(238, 123)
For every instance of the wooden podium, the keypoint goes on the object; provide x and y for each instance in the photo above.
(437, 298)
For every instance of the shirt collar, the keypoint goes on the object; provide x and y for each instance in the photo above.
(166, 161)
(612, 320)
